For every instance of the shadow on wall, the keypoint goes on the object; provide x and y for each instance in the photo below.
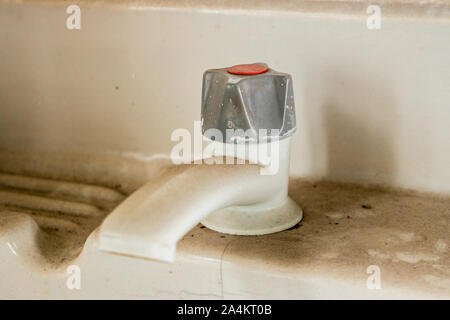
(359, 120)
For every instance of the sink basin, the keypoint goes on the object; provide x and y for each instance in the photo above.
(86, 118)
(347, 228)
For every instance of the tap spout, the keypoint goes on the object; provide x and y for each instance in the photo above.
(152, 220)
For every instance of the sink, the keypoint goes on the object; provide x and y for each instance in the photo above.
(347, 228)
(86, 118)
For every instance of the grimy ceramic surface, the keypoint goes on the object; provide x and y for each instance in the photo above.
(86, 118)
(346, 228)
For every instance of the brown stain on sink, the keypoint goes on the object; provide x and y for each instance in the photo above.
(345, 229)
(65, 212)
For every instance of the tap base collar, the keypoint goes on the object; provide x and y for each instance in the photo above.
(255, 219)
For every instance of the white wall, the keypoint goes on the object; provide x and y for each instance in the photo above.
(372, 105)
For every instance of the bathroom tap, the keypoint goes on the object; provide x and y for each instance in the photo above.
(248, 114)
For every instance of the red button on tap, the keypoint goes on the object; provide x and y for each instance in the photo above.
(247, 69)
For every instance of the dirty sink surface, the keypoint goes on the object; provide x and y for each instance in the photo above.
(345, 229)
